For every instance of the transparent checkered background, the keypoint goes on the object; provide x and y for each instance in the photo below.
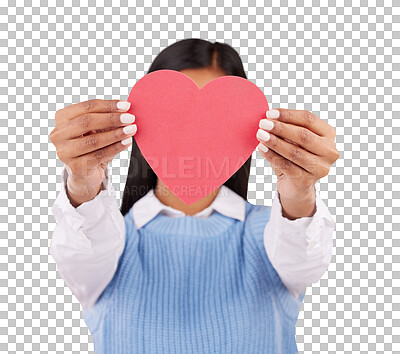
(337, 59)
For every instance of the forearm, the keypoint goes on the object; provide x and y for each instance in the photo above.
(300, 250)
(87, 259)
(87, 241)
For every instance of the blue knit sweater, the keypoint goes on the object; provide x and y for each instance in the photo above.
(192, 285)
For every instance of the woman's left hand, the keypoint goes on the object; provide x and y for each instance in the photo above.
(301, 150)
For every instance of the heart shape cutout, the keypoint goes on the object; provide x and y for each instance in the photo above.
(195, 139)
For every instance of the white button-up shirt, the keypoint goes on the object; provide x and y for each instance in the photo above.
(89, 240)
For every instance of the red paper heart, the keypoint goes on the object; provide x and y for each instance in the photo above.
(195, 139)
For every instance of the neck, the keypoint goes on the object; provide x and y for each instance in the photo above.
(164, 194)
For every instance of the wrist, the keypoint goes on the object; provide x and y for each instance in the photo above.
(81, 191)
(303, 195)
(301, 205)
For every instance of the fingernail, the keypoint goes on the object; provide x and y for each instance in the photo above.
(126, 141)
(263, 135)
(273, 114)
(127, 118)
(262, 147)
(130, 129)
(266, 124)
(123, 106)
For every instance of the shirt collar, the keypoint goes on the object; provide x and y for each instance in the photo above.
(227, 202)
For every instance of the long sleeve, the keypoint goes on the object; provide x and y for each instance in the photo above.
(87, 241)
(300, 250)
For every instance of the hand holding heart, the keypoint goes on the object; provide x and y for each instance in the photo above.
(300, 147)
(195, 140)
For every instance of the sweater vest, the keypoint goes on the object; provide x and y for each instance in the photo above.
(191, 285)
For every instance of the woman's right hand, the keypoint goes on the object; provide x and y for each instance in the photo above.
(87, 136)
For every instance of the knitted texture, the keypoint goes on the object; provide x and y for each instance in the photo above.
(192, 285)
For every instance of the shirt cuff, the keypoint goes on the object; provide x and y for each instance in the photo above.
(310, 224)
(87, 214)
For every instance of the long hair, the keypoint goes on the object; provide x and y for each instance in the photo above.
(185, 54)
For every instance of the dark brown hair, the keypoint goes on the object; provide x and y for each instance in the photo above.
(185, 54)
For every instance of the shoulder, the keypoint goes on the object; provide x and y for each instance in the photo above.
(256, 219)
(128, 217)
(256, 214)
(131, 231)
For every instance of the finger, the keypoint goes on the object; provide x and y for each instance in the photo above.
(93, 122)
(281, 165)
(297, 135)
(104, 155)
(92, 106)
(84, 145)
(295, 154)
(301, 118)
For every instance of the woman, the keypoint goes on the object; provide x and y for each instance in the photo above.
(218, 276)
